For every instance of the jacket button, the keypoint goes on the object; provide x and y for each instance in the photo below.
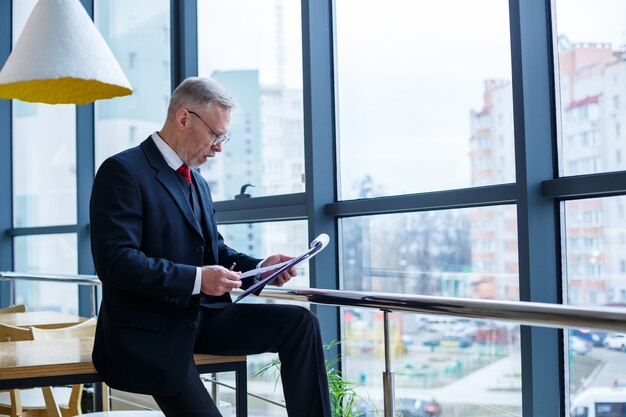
(200, 249)
(193, 325)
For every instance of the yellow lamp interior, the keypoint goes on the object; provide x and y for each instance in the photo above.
(65, 90)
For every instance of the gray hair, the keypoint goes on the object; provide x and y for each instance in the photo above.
(198, 91)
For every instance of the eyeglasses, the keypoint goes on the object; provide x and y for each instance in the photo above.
(218, 139)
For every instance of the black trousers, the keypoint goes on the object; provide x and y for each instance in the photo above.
(246, 329)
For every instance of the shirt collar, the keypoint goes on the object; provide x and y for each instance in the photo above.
(170, 156)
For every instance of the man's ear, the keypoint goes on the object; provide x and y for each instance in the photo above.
(182, 118)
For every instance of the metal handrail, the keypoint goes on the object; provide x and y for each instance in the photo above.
(91, 280)
(215, 381)
(520, 312)
(70, 279)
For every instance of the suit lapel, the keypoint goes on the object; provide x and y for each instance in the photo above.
(206, 207)
(167, 177)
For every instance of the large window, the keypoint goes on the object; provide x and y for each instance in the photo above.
(408, 77)
(264, 239)
(44, 155)
(595, 248)
(469, 253)
(254, 50)
(47, 254)
(261, 240)
(138, 33)
(44, 192)
(44, 164)
(458, 367)
(592, 76)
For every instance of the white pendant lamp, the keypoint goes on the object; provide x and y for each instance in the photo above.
(61, 58)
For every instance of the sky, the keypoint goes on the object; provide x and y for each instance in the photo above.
(243, 34)
(592, 21)
(407, 81)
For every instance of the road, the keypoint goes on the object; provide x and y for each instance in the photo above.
(612, 367)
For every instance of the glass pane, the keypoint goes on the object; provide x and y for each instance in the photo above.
(595, 272)
(44, 154)
(592, 77)
(265, 239)
(457, 366)
(261, 240)
(50, 254)
(443, 365)
(138, 33)
(425, 90)
(253, 48)
(470, 253)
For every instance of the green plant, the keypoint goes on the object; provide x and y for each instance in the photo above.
(343, 395)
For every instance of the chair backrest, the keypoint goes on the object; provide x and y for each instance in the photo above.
(85, 329)
(20, 308)
(10, 333)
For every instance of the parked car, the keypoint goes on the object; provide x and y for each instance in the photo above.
(616, 341)
(416, 407)
(449, 341)
(440, 324)
(593, 338)
(496, 334)
(579, 346)
(599, 402)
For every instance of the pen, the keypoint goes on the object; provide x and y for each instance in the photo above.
(232, 266)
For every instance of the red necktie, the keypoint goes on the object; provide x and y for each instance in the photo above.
(184, 171)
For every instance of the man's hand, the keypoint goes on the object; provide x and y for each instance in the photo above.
(284, 277)
(217, 280)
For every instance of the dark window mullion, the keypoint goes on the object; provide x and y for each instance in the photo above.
(260, 209)
(586, 186)
(184, 40)
(85, 168)
(6, 162)
(42, 230)
(438, 200)
(538, 231)
(319, 150)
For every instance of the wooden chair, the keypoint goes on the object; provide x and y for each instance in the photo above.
(10, 333)
(45, 401)
(86, 328)
(124, 413)
(20, 308)
(11, 400)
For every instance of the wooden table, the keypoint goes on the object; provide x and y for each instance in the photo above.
(43, 319)
(68, 361)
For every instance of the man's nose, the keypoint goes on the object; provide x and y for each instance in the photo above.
(217, 148)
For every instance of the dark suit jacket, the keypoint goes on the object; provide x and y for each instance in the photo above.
(146, 245)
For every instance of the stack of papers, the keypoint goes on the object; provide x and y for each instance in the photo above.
(317, 245)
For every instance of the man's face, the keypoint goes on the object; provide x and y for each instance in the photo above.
(205, 125)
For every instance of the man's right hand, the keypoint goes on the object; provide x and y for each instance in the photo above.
(217, 280)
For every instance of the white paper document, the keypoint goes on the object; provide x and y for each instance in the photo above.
(317, 245)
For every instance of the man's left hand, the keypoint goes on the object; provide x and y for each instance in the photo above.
(284, 277)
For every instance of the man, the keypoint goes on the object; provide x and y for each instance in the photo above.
(166, 272)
